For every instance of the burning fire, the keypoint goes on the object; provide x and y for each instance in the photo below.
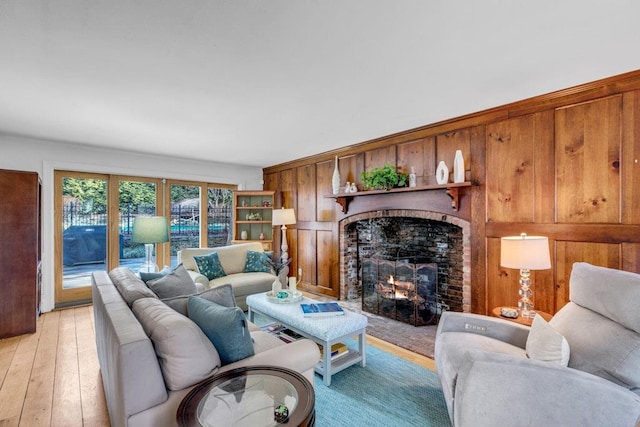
(396, 284)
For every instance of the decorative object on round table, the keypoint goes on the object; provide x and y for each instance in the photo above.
(442, 173)
(281, 413)
(251, 395)
(284, 296)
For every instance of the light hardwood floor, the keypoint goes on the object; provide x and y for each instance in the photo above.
(52, 378)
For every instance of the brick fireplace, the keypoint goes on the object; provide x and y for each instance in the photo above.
(414, 238)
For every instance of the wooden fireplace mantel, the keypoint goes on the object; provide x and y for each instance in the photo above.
(343, 199)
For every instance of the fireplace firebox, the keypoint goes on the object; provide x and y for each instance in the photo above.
(427, 253)
(404, 289)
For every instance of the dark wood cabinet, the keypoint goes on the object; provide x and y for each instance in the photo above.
(19, 252)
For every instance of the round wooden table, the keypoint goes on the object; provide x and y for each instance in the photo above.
(523, 321)
(250, 396)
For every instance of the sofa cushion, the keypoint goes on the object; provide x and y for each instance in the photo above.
(264, 341)
(258, 262)
(222, 295)
(246, 283)
(185, 354)
(226, 327)
(546, 344)
(177, 282)
(147, 277)
(210, 266)
(234, 257)
(130, 286)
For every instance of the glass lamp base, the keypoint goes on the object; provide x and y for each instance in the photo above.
(149, 265)
(148, 268)
(525, 305)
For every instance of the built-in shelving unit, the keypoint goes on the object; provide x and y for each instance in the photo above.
(343, 199)
(252, 217)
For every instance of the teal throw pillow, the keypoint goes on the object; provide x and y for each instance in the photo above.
(226, 328)
(257, 262)
(210, 266)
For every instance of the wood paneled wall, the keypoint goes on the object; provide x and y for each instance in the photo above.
(565, 165)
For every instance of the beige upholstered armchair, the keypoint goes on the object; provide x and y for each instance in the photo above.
(492, 373)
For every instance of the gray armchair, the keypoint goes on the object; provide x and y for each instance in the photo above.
(488, 380)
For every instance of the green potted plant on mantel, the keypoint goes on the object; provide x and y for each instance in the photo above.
(383, 178)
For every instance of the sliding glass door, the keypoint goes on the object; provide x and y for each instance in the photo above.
(94, 215)
(81, 237)
(136, 197)
(200, 215)
(184, 208)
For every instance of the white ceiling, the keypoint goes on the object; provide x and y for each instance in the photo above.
(260, 82)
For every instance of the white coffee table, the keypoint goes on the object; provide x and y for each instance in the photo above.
(325, 331)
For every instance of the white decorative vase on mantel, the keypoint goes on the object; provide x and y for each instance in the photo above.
(442, 173)
(335, 181)
(458, 167)
(412, 177)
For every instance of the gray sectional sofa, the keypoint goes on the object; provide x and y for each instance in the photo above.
(151, 356)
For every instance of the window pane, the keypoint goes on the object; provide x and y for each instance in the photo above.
(135, 199)
(84, 230)
(185, 218)
(219, 216)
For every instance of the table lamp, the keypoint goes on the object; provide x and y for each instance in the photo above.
(526, 253)
(150, 230)
(283, 217)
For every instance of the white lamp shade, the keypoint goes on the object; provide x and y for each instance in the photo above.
(150, 229)
(528, 252)
(283, 217)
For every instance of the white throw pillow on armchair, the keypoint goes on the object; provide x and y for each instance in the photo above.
(546, 344)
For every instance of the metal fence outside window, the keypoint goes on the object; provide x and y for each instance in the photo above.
(85, 230)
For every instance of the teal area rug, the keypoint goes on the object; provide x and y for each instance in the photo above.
(389, 391)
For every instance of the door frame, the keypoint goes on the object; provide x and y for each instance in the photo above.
(82, 294)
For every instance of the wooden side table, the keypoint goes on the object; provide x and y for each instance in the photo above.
(523, 321)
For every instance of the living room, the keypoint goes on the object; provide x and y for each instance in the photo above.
(529, 97)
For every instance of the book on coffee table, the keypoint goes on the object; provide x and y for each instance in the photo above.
(321, 309)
